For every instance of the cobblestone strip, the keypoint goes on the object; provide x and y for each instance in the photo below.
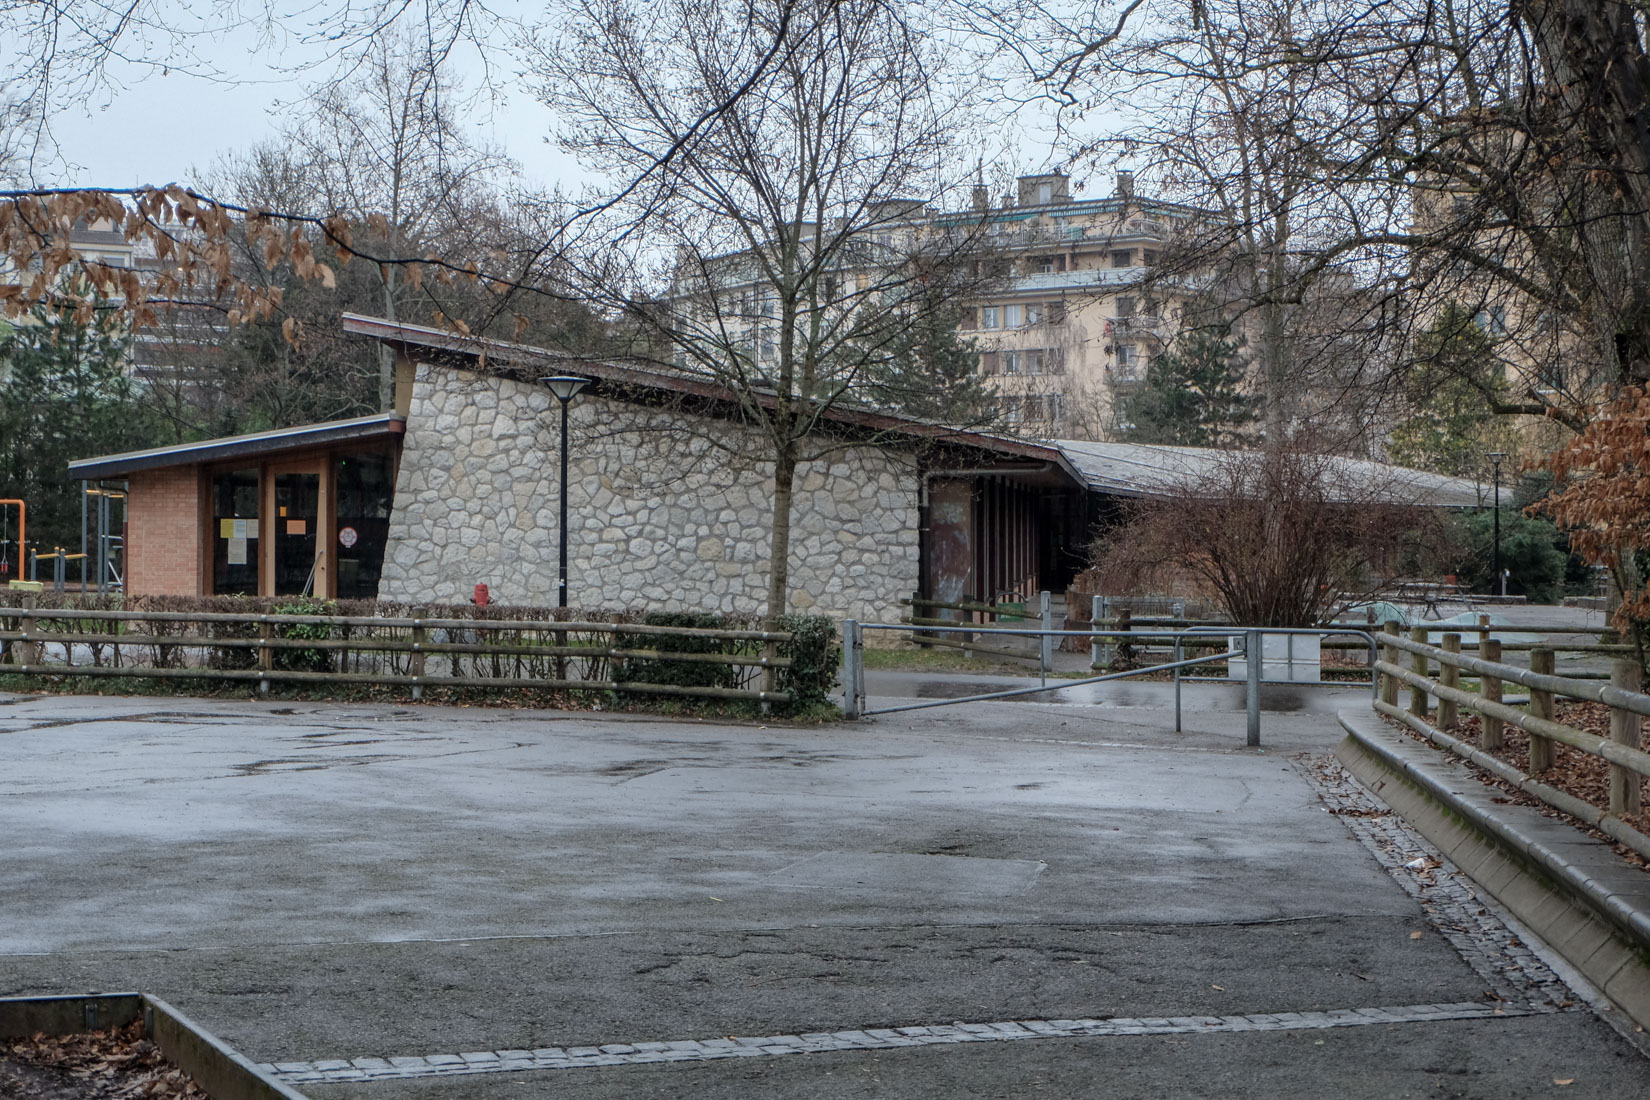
(1448, 896)
(703, 1050)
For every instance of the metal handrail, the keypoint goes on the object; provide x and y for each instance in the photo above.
(853, 678)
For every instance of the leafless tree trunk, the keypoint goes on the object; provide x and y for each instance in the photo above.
(774, 160)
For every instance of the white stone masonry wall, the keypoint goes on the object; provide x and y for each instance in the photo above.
(658, 516)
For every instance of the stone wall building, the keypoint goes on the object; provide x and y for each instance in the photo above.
(668, 509)
(669, 504)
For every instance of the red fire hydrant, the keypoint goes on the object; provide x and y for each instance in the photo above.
(481, 595)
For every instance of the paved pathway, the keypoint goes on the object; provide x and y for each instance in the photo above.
(1006, 900)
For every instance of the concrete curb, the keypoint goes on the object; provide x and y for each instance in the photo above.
(1572, 890)
(224, 1073)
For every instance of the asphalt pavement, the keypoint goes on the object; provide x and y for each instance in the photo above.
(989, 900)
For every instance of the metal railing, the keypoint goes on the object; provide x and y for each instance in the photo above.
(854, 699)
(1628, 763)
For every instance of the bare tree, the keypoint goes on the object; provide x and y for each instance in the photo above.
(770, 232)
(387, 149)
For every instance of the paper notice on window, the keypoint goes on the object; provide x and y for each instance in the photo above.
(252, 527)
(240, 530)
(237, 551)
(226, 528)
(297, 527)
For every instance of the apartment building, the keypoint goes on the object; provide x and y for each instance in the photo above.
(1072, 324)
(1061, 299)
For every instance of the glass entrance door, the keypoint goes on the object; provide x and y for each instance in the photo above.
(296, 521)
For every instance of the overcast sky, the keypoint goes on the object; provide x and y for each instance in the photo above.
(154, 128)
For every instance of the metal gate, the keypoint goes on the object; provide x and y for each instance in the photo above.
(1248, 643)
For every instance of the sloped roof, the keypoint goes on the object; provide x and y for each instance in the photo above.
(256, 445)
(1142, 469)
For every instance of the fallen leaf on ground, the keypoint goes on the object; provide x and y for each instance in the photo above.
(1416, 935)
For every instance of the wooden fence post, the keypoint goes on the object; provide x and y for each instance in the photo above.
(419, 637)
(1450, 676)
(1541, 705)
(770, 653)
(1418, 664)
(266, 654)
(1625, 784)
(1097, 614)
(1489, 687)
(1389, 654)
(1125, 648)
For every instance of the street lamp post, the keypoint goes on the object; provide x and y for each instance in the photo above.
(565, 387)
(1495, 458)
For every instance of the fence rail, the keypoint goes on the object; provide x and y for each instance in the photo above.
(1622, 751)
(395, 651)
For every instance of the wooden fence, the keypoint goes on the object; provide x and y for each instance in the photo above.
(410, 652)
(1622, 751)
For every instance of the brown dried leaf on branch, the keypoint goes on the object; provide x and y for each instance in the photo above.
(185, 244)
(1604, 498)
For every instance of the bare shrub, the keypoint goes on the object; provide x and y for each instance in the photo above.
(1279, 538)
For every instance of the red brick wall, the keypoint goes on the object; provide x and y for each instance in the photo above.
(163, 536)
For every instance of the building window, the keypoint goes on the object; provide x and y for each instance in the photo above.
(1013, 316)
(1034, 313)
(235, 533)
(1045, 194)
(1128, 363)
(1055, 312)
(1493, 320)
(366, 489)
(1122, 257)
(1149, 257)
(1125, 307)
(988, 362)
(991, 317)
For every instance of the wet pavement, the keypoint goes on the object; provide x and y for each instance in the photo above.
(471, 903)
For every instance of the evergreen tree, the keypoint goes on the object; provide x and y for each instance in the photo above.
(931, 372)
(66, 396)
(1451, 390)
(1193, 395)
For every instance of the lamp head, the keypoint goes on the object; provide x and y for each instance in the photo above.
(565, 387)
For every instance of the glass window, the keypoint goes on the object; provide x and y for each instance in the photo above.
(1122, 257)
(1127, 362)
(1013, 316)
(235, 533)
(366, 489)
(1034, 313)
(991, 317)
(1125, 307)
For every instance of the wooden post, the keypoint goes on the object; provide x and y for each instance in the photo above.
(28, 653)
(1541, 705)
(1625, 785)
(770, 653)
(419, 637)
(916, 613)
(266, 654)
(1450, 676)
(1097, 615)
(1418, 664)
(1389, 654)
(1489, 688)
(1125, 651)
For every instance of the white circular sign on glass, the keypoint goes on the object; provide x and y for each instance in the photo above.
(347, 537)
